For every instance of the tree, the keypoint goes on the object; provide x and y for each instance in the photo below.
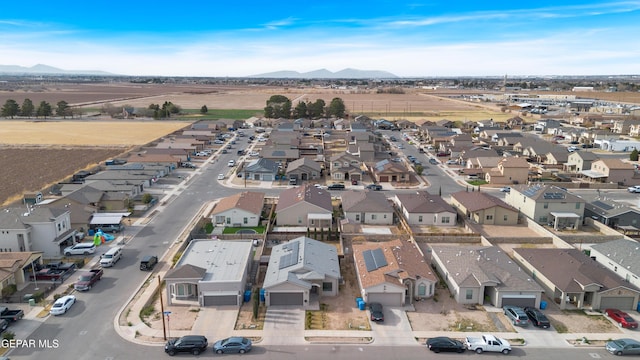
(336, 108)
(44, 109)
(204, 109)
(278, 106)
(634, 155)
(316, 109)
(27, 109)
(301, 110)
(63, 109)
(10, 108)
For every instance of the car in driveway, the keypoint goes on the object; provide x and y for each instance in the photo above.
(623, 347)
(634, 189)
(376, 312)
(443, 343)
(516, 315)
(83, 248)
(62, 305)
(194, 344)
(232, 345)
(505, 189)
(621, 318)
(537, 318)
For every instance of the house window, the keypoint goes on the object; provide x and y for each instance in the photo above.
(385, 216)
(357, 217)
(373, 216)
(446, 219)
(422, 290)
(228, 220)
(489, 217)
(505, 218)
(327, 286)
(420, 218)
(299, 219)
(577, 206)
(543, 219)
(245, 221)
(546, 205)
(469, 294)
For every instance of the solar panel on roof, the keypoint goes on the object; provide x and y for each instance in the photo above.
(602, 205)
(374, 259)
(378, 256)
(291, 256)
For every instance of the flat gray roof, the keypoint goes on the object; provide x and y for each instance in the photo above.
(223, 260)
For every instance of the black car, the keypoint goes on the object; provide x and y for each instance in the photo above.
(538, 319)
(443, 343)
(148, 262)
(375, 187)
(336, 187)
(194, 344)
(376, 312)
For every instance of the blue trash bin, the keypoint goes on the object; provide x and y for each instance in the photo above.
(361, 305)
(262, 292)
(247, 296)
(358, 299)
(543, 305)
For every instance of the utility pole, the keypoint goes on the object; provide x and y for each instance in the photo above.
(164, 329)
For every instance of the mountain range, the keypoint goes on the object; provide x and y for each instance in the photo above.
(41, 69)
(326, 74)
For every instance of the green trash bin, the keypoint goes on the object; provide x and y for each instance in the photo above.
(32, 302)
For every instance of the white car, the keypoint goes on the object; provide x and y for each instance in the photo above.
(231, 163)
(452, 162)
(62, 305)
(220, 176)
(505, 189)
(254, 154)
(634, 189)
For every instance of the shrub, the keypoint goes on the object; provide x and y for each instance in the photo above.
(9, 290)
(56, 296)
(147, 311)
(8, 335)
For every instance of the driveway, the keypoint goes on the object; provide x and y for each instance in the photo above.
(395, 330)
(284, 325)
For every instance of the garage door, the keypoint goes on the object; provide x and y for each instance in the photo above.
(221, 300)
(384, 178)
(387, 299)
(267, 177)
(520, 301)
(618, 302)
(285, 299)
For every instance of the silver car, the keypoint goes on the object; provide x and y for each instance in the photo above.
(516, 315)
(623, 347)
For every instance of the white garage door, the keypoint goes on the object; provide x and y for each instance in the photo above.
(386, 299)
(267, 177)
(285, 299)
(520, 301)
(617, 302)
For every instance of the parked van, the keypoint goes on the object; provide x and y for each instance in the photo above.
(111, 257)
(84, 248)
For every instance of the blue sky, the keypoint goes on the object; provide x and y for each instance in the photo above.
(407, 38)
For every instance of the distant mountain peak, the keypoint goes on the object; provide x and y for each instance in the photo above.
(347, 73)
(46, 70)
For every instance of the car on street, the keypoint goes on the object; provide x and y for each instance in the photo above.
(231, 163)
(148, 262)
(433, 161)
(62, 305)
(232, 345)
(443, 343)
(505, 189)
(623, 347)
(396, 160)
(537, 318)
(220, 176)
(621, 318)
(376, 311)
(254, 154)
(516, 315)
(194, 344)
(336, 187)
(634, 189)
(374, 187)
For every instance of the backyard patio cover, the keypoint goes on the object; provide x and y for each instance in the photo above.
(107, 218)
(559, 215)
(593, 174)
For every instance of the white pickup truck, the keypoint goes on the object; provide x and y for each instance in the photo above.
(487, 343)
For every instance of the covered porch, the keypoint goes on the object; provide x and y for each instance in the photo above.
(564, 220)
(316, 220)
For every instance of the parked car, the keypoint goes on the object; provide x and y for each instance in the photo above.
(487, 342)
(505, 189)
(220, 176)
(354, 182)
(376, 311)
(516, 315)
(433, 161)
(62, 305)
(148, 262)
(443, 343)
(336, 187)
(621, 318)
(194, 344)
(634, 189)
(452, 162)
(231, 163)
(232, 345)
(374, 187)
(537, 318)
(84, 248)
(623, 347)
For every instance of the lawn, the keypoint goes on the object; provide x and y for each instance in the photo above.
(233, 230)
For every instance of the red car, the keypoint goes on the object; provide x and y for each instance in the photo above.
(621, 318)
